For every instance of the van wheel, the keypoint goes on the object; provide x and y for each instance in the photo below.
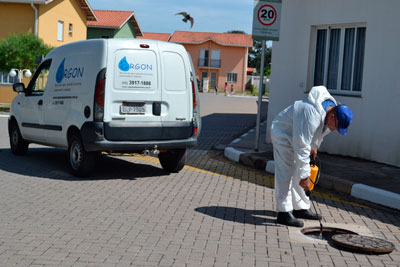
(80, 161)
(18, 145)
(173, 160)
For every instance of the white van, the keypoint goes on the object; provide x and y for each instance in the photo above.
(112, 95)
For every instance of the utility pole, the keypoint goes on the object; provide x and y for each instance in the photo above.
(256, 148)
(266, 26)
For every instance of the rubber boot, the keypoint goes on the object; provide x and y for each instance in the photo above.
(306, 214)
(288, 219)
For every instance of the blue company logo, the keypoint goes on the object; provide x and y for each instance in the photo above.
(125, 66)
(62, 72)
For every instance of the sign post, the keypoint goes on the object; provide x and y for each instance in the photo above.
(266, 25)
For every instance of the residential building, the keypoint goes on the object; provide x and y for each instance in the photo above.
(155, 36)
(113, 24)
(57, 22)
(351, 47)
(218, 58)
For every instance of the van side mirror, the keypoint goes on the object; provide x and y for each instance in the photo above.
(18, 87)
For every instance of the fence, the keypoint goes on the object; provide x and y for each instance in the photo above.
(255, 81)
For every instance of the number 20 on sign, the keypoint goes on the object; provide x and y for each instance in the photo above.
(266, 15)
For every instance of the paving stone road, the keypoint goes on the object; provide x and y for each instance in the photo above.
(132, 213)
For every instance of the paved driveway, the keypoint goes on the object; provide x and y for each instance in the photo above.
(132, 213)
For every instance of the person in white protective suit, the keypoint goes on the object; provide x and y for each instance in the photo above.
(296, 134)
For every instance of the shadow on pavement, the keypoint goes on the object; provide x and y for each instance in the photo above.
(239, 215)
(221, 128)
(56, 166)
(356, 209)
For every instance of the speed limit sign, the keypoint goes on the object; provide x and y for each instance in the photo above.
(266, 19)
(266, 15)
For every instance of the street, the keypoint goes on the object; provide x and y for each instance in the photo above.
(132, 213)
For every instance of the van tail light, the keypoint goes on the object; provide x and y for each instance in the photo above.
(99, 93)
(194, 95)
(194, 107)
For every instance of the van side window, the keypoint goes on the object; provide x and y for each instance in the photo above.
(39, 80)
(40, 84)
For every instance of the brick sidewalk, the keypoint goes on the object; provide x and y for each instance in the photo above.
(131, 213)
(213, 213)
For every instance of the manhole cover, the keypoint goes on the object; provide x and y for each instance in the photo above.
(327, 232)
(363, 243)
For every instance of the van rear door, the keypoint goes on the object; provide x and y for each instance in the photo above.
(176, 92)
(133, 94)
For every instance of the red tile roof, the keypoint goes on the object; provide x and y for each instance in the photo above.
(226, 39)
(251, 70)
(155, 36)
(114, 19)
(110, 18)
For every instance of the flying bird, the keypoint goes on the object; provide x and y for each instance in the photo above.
(186, 17)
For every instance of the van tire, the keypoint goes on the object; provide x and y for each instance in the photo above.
(18, 145)
(173, 160)
(81, 162)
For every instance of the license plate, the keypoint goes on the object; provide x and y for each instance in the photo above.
(133, 108)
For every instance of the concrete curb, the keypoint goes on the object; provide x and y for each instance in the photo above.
(376, 195)
(361, 191)
(232, 154)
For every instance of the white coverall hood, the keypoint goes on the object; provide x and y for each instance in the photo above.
(294, 132)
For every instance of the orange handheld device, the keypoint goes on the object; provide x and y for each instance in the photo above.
(315, 171)
(313, 176)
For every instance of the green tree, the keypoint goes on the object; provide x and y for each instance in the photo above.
(20, 51)
(255, 58)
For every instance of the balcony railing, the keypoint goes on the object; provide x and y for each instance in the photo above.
(203, 62)
(213, 63)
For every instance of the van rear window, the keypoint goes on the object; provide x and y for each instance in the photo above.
(135, 69)
(174, 72)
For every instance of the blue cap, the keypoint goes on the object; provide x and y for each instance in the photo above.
(344, 116)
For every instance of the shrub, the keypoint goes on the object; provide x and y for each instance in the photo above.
(20, 51)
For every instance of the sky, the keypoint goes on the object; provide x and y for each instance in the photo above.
(209, 15)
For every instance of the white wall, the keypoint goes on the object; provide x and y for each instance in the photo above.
(375, 131)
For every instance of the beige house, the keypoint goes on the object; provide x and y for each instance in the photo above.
(57, 22)
(218, 58)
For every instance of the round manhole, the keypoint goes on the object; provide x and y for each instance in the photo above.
(362, 243)
(327, 232)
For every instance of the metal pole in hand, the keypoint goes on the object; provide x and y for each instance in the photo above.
(260, 95)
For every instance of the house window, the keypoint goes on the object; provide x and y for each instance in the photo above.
(204, 58)
(339, 58)
(216, 58)
(60, 31)
(6, 79)
(231, 77)
(70, 30)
